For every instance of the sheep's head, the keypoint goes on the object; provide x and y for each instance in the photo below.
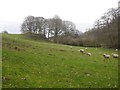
(82, 50)
(104, 54)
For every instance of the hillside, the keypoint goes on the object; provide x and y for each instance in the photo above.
(27, 63)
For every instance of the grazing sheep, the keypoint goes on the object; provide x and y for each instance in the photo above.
(89, 54)
(115, 55)
(106, 55)
(82, 50)
(116, 49)
(85, 48)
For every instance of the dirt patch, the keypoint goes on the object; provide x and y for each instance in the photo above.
(18, 48)
(5, 78)
(50, 54)
(62, 50)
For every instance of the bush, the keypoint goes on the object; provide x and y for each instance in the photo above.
(5, 32)
(34, 36)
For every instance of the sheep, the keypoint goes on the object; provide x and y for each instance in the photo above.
(81, 50)
(116, 49)
(115, 55)
(106, 55)
(85, 48)
(89, 54)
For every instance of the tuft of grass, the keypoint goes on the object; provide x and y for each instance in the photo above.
(28, 63)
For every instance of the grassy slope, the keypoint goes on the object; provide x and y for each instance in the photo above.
(35, 64)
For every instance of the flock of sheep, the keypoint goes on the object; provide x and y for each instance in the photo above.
(104, 55)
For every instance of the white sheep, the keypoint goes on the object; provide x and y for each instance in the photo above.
(89, 54)
(116, 49)
(106, 55)
(85, 48)
(82, 50)
(115, 55)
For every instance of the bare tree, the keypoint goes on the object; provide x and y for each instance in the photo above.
(56, 27)
(27, 25)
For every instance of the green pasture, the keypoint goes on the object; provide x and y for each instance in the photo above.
(28, 63)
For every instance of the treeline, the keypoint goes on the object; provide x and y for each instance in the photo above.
(105, 31)
(53, 29)
(103, 34)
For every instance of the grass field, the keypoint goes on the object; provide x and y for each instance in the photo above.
(27, 63)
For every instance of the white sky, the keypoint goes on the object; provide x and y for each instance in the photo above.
(77, 11)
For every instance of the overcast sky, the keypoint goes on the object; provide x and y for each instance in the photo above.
(80, 12)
